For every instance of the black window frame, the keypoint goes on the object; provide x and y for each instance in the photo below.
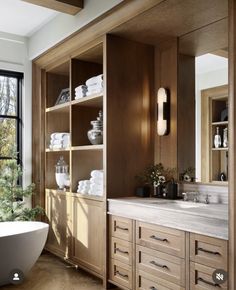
(18, 117)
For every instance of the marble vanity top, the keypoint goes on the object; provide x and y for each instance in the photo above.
(206, 219)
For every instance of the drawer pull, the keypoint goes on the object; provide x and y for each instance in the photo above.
(153, 288)
(207, 251)
(121, 228)
(207, 282)
(158, 265)
(121, 251)
(158, 239)
(120, 274)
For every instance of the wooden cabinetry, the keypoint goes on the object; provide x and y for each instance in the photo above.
(166, 259)
(88, 234)
(121, 252)
(207, 255)
(214, 160)
(58, 211)
(126, 102)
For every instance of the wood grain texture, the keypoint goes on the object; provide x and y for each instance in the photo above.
(186, 113)
(174, 18)
(71, 7)
(199, 244)
(232, 145)
(129, 77)
(166, 76)
(203, 272)
(88, 238)
(38, 130)
(113, 18)
(151, 261)
(205, 39)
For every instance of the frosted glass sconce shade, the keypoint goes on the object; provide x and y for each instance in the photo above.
(163, 112)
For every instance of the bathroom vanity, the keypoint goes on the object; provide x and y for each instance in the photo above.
(161, 244)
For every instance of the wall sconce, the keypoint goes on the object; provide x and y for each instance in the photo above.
(163, 112)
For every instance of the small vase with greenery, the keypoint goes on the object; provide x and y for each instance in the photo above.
(12, 194)
(156, 176)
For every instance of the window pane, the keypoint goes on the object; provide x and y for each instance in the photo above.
(8, 96)
(7, 136)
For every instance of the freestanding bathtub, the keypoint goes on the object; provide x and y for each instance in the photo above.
(21, 244)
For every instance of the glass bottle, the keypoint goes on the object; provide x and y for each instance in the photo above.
(61, 173)
(225, 138)
(217, 138)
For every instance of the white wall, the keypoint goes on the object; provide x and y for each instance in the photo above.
(14, 57)
(206, 80)
(63, 25)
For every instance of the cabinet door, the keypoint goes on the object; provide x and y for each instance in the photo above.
(58, 214)
(88, 234)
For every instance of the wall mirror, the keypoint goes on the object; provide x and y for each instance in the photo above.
(206, 68)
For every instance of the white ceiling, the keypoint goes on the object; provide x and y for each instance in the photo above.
(210, 62)
(21, 18)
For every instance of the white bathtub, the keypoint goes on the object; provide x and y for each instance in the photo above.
(21, 243)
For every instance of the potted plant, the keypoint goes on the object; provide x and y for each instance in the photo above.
(156, 176)
(12, 194)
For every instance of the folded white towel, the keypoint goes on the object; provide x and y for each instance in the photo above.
(56, 147)
(96, 188)
(83, 192)
(59, 135)
(95, 192)
(62, 142)
(94, 87)
(81, 88)
(96, 180)
(94, 92)
(84, 182)
(94, 80)
(80, 95)
(97, 173)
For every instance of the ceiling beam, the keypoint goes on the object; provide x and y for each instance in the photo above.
(65, 6)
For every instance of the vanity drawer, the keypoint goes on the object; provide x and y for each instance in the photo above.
(145, 282)
(201, 278)
(121, 273)
(160, 238)
(121, 228)
(208, 251)
(121, 250)
(161, 265)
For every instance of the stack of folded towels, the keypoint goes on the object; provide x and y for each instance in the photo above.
(94, 186)
(59, 141)
(83, 186)
(92, 86)
(80, 92)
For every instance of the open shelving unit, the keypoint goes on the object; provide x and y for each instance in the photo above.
(214, 160)
(75, 218)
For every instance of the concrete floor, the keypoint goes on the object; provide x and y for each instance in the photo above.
(50, 273)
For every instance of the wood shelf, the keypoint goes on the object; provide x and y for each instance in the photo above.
(59, 107)
(220, 149)
(57, 191)
(87, 147)
(218, 182)
(87, 196)
(220, 123)
(58, 150)
(95, 100)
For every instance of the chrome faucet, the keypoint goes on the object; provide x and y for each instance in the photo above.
(207, 201)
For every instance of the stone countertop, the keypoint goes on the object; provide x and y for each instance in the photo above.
(206, 219)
